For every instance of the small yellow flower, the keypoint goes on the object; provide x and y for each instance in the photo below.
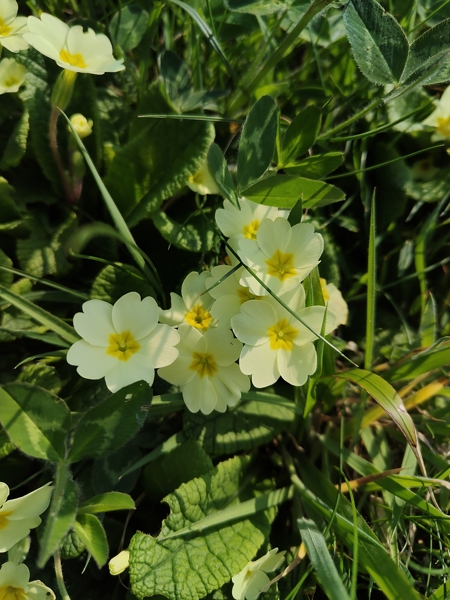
(119, 563)
(249, 583)
(15, 584)
(12, 76)
(202, 181)
(440, 117)
(335, 302)
(82, 126)
(12, 27)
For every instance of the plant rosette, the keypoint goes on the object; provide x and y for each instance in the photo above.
(282, 257)
(15, 584)
(244, 223)
(72, 48)
(277, 344)
(123, 343)
(193, 306)
(19, 516)
(206, 370)
(248, 584)
(12, 27)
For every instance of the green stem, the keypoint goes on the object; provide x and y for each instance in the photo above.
(59, 576)
(283, 49)
(52, 134)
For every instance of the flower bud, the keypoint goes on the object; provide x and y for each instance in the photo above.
(82, 126)
(119, 563)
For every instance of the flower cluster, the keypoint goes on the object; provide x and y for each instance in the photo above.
(247, 320)
(17, 518)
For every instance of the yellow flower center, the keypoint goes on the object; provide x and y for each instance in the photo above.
(282, 335)
(199, 318)
(203, 364)
(245, 295)
(197, 178)
(8, 592)
(122, 346)
(251, 230)
(74, 60)
(10, 81)
(4, 28)
(443, 126)
(325, 294)
(281, 265)
(4, 519)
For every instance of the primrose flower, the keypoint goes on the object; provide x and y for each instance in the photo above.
(244, 224)
(202, 181)
(15, 584)
(12, 27)
(12, 75)
(118, 564)
(18, 516)
(72, 48)
(334, 301)
(122, 343)
(282, 257)
(248, 584)
(206, 370)
(275, 342)
(81, 125)
(193, 306)
(440, 117)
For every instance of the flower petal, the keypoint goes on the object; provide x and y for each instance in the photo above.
(194, 285)
(95, 324)
(178, 373)
(137, 368)
(298, 364)
(250, 327)
(176, 313)
(92, 361)
(159, 347)
(273, 236)
(314, 316)
(199, 394)
(14, 531)
(130, 313)
(14, 575)
(31, 505)
(38, 591)
(260, 362)
(4, 493)
(8, 10)
(223, 346)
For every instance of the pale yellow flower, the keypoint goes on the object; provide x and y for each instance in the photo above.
(15, 584)
(249, 583)
(202, 181)
(82, 126)
(118, 564)
(12, 27)
(12, 76)
(335, 302)
(440, 117)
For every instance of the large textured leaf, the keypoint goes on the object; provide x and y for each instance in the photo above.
(430, 51)
(284, 191)
(189, 567)
(112, 423)
(17, 143)
(90, 531)
(255, 421)
(257, 144)
(158, 159)
(37, 421)
(194, 236)
(118, 279)
(379, 44)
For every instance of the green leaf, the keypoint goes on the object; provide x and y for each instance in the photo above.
(60, 516)
(40, 315)
(6, 276)
(257, 144)
(195, 235)
(219, 170)
(385, 395)
(118, 279)
(71, 546)
(317, 166)
(380, 46)
(128, 26)
(301, 134)
(430, 51)
(420, 364)
(10, 216)
(170, 470)
(158, 160)
(256, 420)
(188, 568)
(175, 77)
(17, 143)
(428, 324)
(320, 558)
(109, 425)
(258, 7)
(42, 375)
(36, 420)
(90, 531)
(107, 502)
(285, 190)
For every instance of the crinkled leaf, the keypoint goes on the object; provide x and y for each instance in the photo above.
(107, 502)
(118, 279)
(36, 420)
(256, 420)
(71, 546)
(379, 44)
(109, 425)
(257, 145)
(285, 190)
(91, 533)
(17, 143)
(195, 235)
(10, 217)
(189, 567)
(6, 278)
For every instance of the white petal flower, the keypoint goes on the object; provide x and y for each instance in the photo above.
(18, 516)
(118, 564)
(15, 584)
(276, 344)
(12, 27)
(244, 224)
(247, 584)
(71, 47)
(203, 182)
(282, 257)
(122, 343)
(440, 117)
(12, 75)
(335, 302)
(193, 306)
(206, 370)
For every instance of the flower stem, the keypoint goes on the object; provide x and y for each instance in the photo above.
(54, 146)
(59, 576)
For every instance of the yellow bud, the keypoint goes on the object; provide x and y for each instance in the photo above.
(119, 563)
(81, 125)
